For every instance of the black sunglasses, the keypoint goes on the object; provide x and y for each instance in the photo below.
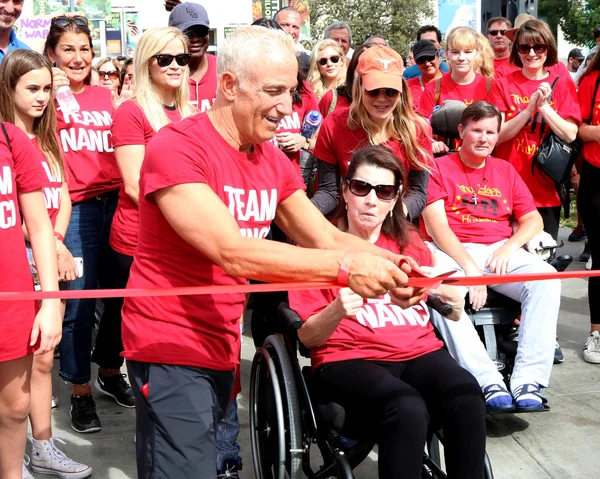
(62, 21)
(362, 188)
(422, 60)
(538, 48)
(113, 75)
(389, 92)
(164, 60)
(334, 59)
(199, 30)
(493, 33)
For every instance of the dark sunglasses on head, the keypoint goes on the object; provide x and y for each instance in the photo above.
(493, 33)
(62, 21)
(389, 92)
(113, 75)
(199, 30)
(538, 48)
(334, 59)
(362, 188)
(422, 60)
(164, 60)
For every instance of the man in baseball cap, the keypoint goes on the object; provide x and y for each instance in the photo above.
(427, 59)
(574, 61)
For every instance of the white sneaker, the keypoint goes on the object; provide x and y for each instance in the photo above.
(46, 458)
(26, 474)
(591, 350)
(588, 265)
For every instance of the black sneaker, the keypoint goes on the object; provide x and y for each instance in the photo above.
(230, 469)
(117, 388)
(583, 257)
(83, 414)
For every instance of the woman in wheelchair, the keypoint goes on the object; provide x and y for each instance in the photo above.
(383, 364)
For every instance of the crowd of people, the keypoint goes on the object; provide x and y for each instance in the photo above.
(178, 167)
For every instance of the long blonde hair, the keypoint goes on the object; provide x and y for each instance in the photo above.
(485, 61)
(403, 125)
(314, 75)
(151, 43)
(467, 38)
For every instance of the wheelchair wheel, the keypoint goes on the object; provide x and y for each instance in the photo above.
(275, 431)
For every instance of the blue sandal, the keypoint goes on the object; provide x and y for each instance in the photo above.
(528, 398)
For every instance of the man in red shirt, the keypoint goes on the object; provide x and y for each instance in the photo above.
(210, 186)
(427, 58)
(473, 199)
(496, 34)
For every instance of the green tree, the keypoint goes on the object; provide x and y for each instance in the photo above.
(577, 18)
(397, 20)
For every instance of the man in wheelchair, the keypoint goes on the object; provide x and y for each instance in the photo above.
(384, 364)
(472, 200)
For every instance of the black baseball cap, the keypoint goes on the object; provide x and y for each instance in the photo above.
(186, 15)
(576, 53)
(423, 48)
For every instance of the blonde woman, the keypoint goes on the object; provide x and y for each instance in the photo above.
(381, 113)
(485, 62)
(327, 67)
(108, 70)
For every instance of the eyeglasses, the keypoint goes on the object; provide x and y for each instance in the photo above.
(362, 188)
(493, 33)
(334, 59)
(538, 48)
(62, 21)
(113, 74)
(422, 60)
(164, 60)
(389, 92)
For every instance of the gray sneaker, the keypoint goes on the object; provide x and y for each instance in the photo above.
(46, 458)
(591, 350)
(26, 474)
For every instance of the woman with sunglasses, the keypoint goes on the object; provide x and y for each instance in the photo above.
(108, 72)
(327, 67)
(94, 183)
(384, 365)
(380, 114)
(527, 97)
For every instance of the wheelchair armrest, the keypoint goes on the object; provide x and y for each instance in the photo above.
(289, 317)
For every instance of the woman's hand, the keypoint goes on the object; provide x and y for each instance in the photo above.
(47, 327)
(59, 78)
(440, 147)
(291, 142)
(532, 106)
(348, 303)
(450, 295)
(499, 260)
(544, 90)
(67, 269)
(477, 294)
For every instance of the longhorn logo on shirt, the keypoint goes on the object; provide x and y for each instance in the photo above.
(386, 62)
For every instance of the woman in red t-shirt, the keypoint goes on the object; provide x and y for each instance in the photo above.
(588, 197)
(523, 97)
(94, 183)
(327, 67)
(26, 79)
(380, 113)
(382, 363)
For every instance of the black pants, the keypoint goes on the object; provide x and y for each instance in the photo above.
(176, 423)
(109, 343)
(551, 218)
(588, 202)
(401, 399)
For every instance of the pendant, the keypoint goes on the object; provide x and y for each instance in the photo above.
(474, 199)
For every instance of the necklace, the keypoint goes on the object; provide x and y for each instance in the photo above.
(474, 198)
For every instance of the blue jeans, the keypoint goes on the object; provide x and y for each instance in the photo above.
(226, 440)
(87, 238)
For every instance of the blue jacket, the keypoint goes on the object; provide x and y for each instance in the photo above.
(13, 44)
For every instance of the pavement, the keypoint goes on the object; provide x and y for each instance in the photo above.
(558, 444)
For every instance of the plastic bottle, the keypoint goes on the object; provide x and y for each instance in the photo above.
(312, 122)
(66, 100)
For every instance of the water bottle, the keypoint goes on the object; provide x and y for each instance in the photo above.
(312, 122)
(66, 100)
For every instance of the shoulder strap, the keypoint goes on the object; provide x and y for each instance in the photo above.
(6, 136)
(589, 120)
(421, 83)
(543, 125)
(488, 84)
(438, 88)
(333, 102)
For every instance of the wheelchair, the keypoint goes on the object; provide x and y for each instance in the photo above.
(287, 417)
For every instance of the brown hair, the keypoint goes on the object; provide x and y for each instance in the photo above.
(346, 88)
(493, 20)
(16, 64)
(396, 226)
(480, 110)
(530, 33)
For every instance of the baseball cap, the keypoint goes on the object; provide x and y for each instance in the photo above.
(381, 67)
(186, 15)
(424, 48)
(576, 53)
(520, 20)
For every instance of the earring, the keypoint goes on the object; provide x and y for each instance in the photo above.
(346, 204)
(391, 213)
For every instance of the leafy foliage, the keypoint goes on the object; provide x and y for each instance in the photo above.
(577, 18)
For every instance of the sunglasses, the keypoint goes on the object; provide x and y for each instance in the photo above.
(334, 59)
(199, 30)
(538, 48)
(493, 33)
(389, 92)
(362, 188)
(113, 75)
(164, 60)
(63, 21)
(422, 60)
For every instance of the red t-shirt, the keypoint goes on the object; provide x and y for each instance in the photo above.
(450, 90)
(336, 142)
(559, 69)
(293, 123)
(380, 331)
(416, 87)
(53, 187)
(86, 141)
(591, 149)
(499, 62)
(200, 331)
(325, 103)
(501, 197)
(20, 172)
(511, 95)
(130, 127)
(204, 92)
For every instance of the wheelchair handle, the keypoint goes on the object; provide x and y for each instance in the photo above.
(290, 318)
(436, 303)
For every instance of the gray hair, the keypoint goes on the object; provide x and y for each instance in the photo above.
(337, 26)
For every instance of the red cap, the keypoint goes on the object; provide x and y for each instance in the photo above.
(381, 67)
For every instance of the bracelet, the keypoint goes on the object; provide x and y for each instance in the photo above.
(344, 271)
(59, 237)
